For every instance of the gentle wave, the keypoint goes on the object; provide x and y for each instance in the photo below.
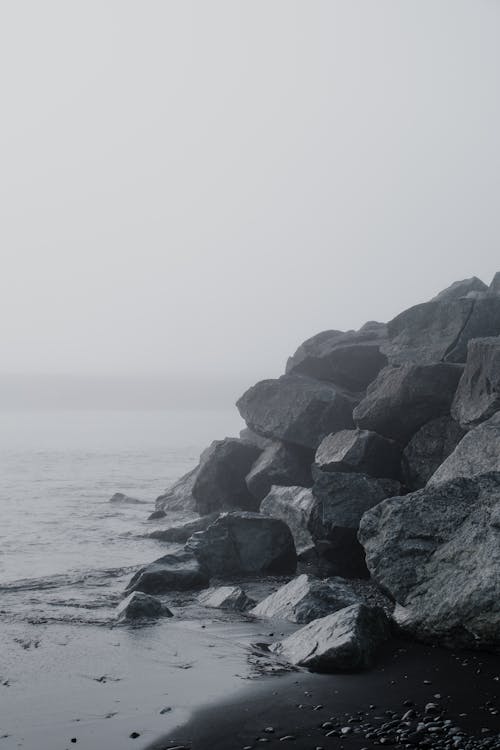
(62, 580)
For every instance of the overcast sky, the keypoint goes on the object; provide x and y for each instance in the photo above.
(196, 187)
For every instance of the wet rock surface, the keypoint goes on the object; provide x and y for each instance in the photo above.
(140, 606)
(181, 533)
(231, 598)
(428, 449)
(280, 464)
(361, 451)
(477, 453)
(295, 506)
(478, 394)
(177, 571)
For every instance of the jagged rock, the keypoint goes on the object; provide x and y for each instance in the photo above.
(231, 598)
(306, 598)
(437, 552)
(294, 506)
(478, 394)
(359, 451)
(296, 409)
(179, 497)
(477, 453)
(350, 359)
(220, 480)
(251, 437)
(177, 571)
(403, 398)
(122, 499)
(494, 287)
(139, 606)
(181, 533)
(427, 450)
(461, 289)
(245, 544)
(346, 640)
(280, 464)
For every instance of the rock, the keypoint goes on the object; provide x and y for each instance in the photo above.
(281, 464)
(251, 437)
(220, 481)
(427, 450)
(231, 598)
(139, 606)
(306, 598)
(245, 544)
(181, 533)
(156, 515)
(294, 506)
(359, 451)
(296, 409)
(477, 453)
(437, 553)
(350, 359)
(494, 287)
(461, 289)
(478, 394)
(179, 497)
(177, 571)
(346, 640)
(403, 398)
(122, 499)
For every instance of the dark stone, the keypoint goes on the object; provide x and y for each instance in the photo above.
(296, 409)
(361, 451)
(139, 606)
(181, 533)
(280, 464)
(178, 571)
(427, 450)
(156, 514)
(229, 598)
(179, 497)
(478, 393)
(477, 453)
(120, 499)
(461, 289)
(295, 506)
(251, 437)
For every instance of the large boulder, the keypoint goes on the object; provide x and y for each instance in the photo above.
(403, 398)
(139, 606)
(427, 450)
(361, 451)
(245, 544)
(437, 552)
(346, 640)
(177, 571)
(478, 394)
(178, 497)
(306, 598)
(494, 287)
(350, 359)
(296, 409)
(461, 289)
(180, 534)
(295, 506)
(281, 464)
(229, 598)
(220, 480)
(477, 453)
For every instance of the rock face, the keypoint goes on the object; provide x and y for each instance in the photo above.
(437, 552)
(359, 451)
(461, 289)
(178, 571)
(179, 497)
(306, 598)
(122, 499)
(245, 544)
(477, 453)
(139, 606)
(181, 533)
(494, 287)
(344, 641)
(295, 506)
(350, 359)
(402, 399)
(427, 450)
(230, 598)
(280, 464)
(220, 480)
(296, 409)
(478, 393)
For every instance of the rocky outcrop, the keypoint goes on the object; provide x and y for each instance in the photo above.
(220, 480)
(402, 399)
(295, 506)
(245, 544)
(477, 453)
(361, 451)
(306, 598)
(296, 409)
(427, 450)
(179, 497)
(281, 464)
(139, 606)
(350, 359)
(120, 499)
(494, 287)
(347, 640)
(177, 571)
(478, 393)
(461, 289)
(229, 598)
(437, 552)
(181, 533)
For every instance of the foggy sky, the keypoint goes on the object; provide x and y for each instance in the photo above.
(196, 187)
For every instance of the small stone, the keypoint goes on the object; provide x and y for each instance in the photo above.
(269, 730)
(134, 735)
(287, 737)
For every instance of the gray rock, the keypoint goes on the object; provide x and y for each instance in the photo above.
(156, 515)
(120, 499)
(306, 598)
(346, 640)
(437, 553)
(251, 437)
(179, 497)
(403, 398)
(361, 451)
(230, 598)
(181, 533)
(477, 453)
(494, 287)
(461, 289)
(427, 450)
(220, 480)
(245, 544)
(139, 606)
(281, 464)
(350, 359)
(478, 394)
(296, 409)
(177, 571)
(294, 506)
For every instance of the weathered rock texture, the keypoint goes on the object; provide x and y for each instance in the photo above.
(361, 451)
(478, 393)
(461, 289)
(294, 506)
(122, 499)
(139, 606)
(494, 287)
(178, 571)
(281, 464)
(230, 598)
(427, 450)
(181, 533)
(179, 497)
(477, 453)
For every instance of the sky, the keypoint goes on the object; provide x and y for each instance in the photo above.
(189, 189)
